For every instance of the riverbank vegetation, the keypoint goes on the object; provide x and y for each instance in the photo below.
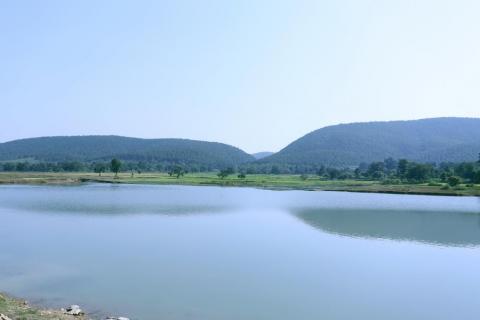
(16, 309)
(390, 175)
(388, 171)
(267, 181)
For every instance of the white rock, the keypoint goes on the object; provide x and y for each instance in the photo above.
(74, 310)
(4, 317)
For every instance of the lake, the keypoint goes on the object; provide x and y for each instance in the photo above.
(179, 252)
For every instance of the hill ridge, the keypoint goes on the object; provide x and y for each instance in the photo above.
(348, 144)
(90, 148)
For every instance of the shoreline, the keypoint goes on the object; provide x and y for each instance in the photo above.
(15, 308)
(269, 182)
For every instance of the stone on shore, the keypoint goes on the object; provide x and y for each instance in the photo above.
(74, 310)
(4, 317)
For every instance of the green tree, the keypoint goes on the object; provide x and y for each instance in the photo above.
(376, 170)
(9, 166)
(321, 171)
(115, 166)
(225, 173)
(99, 168)
(476, 179)
(333, 173)
(418, 172)
(390, 164)
(275, 169)
(453, 181)
(402, 168)
(178, 171)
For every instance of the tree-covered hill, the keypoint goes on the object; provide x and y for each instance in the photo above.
(426, 140)
(207, 155)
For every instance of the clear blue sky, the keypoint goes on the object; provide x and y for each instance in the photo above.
(254, 74)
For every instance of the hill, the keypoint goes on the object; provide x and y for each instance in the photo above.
(208, 155)
(261, 155)
(426, 140)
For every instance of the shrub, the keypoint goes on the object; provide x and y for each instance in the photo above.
(453, 181)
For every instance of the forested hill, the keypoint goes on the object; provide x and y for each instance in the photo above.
(428, 140)
(208, 155)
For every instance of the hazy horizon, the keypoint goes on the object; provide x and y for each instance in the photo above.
(255, 75)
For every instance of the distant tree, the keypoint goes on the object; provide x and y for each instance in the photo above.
(476, 179)
(321, 171)
(21, 166)
(9, 166)
(71, 166)
(443, 176)
(376, 170)
(275, 169)
(225, 173)
(177, 171)
(390, 164)
(465, 170)
(418, 172)
(99, 168)
(115, 166)
(304, 177)
(333, 173)
(453, 181)
(402, 168)
(241, 175)
(358, 173)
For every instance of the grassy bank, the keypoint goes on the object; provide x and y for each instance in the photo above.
(259, 181)
(16, 309)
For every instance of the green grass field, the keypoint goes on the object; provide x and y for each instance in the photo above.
(258, 181)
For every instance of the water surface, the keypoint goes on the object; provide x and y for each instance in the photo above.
(176, 252)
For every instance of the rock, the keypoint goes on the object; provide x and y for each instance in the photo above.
(116, 318)
(74, 310)
(4, 317)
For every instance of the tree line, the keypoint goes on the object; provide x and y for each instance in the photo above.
(389, 170)
(103, 166)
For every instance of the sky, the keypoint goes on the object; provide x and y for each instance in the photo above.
(253, 74)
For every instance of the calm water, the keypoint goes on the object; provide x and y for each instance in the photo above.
(162, 252)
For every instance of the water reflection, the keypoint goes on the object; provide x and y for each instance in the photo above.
(109, 201)
(101, 205)
(111, 209)
(459, 229)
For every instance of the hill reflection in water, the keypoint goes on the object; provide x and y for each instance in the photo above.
(458, 229)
